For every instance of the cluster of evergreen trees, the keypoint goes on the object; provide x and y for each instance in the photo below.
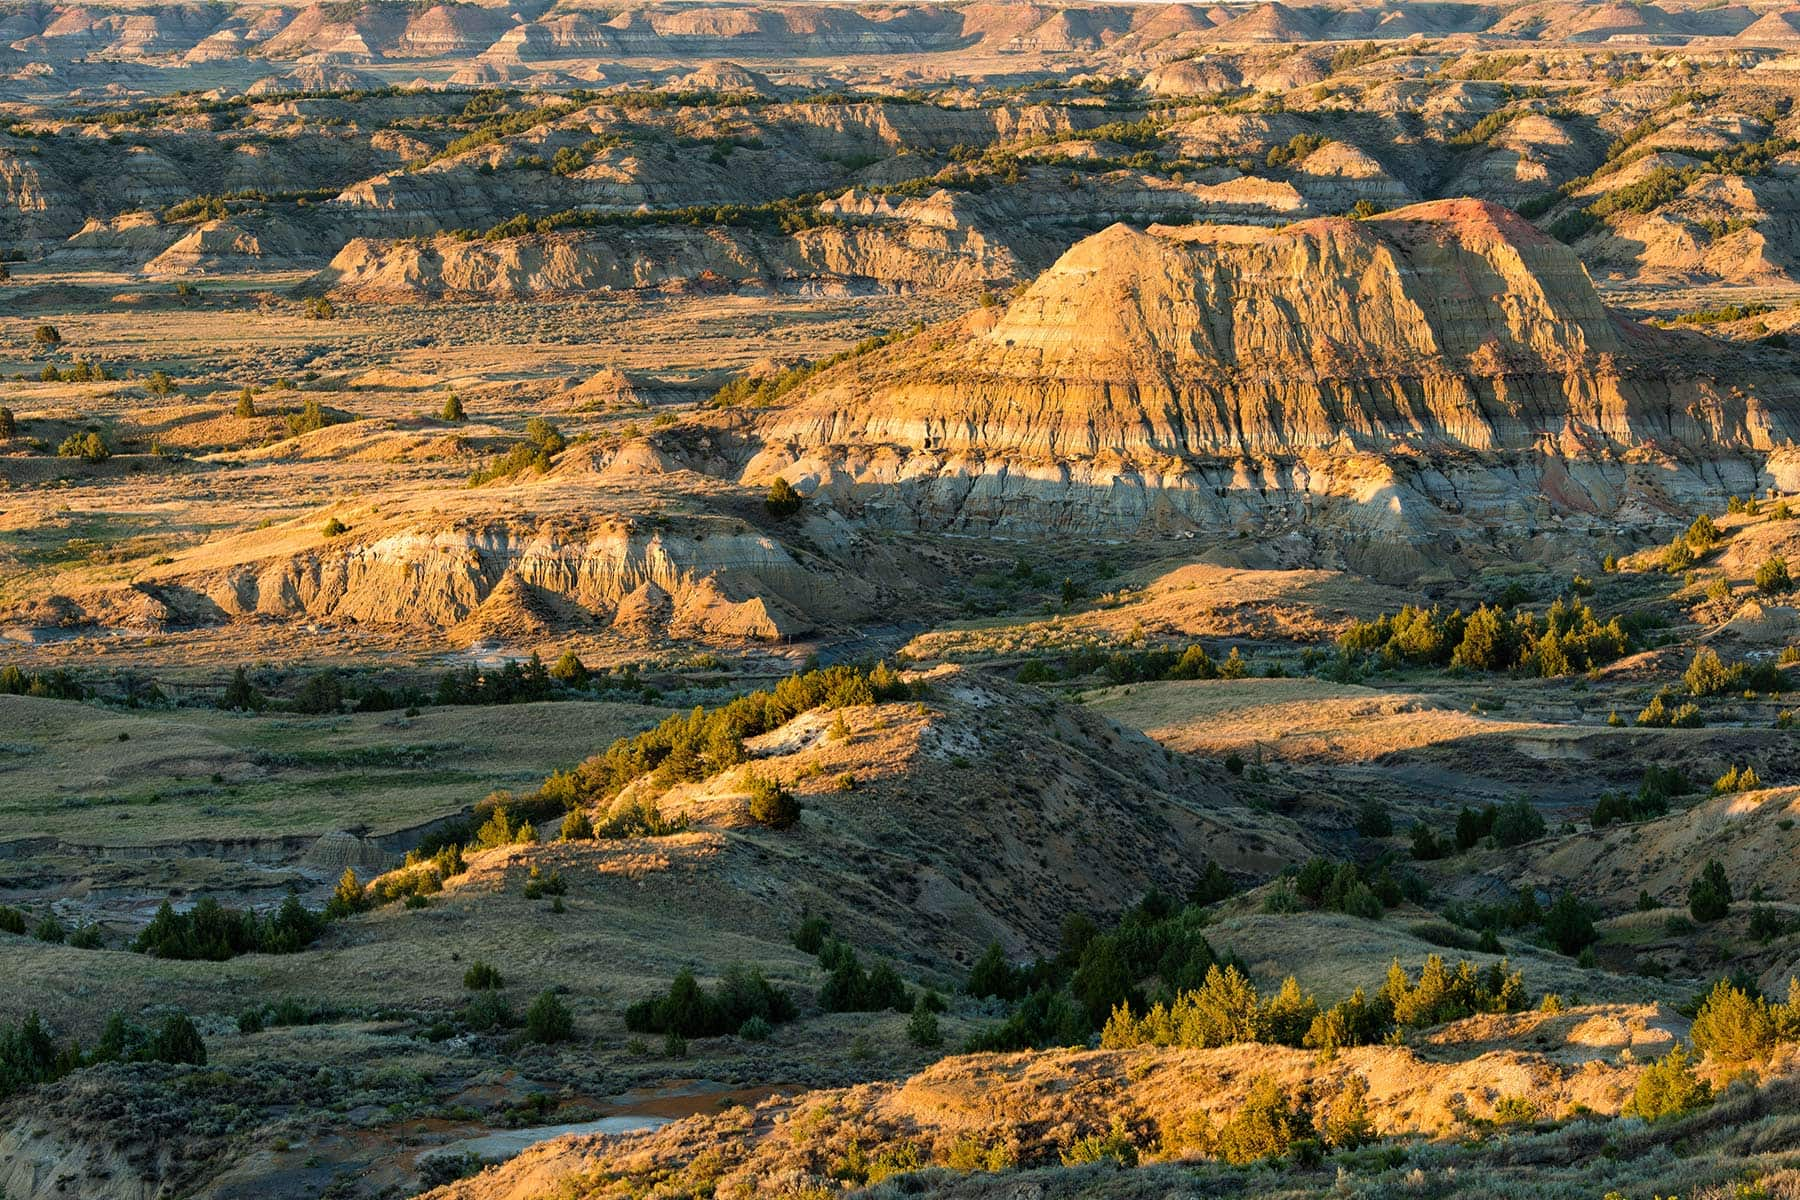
(55, 684)
(1061, 1000)
(1567, 924)
(512, 683)
(31, 1055)
(707, 741)
(210, 931)
(1367, 892)
(689, 1010)
(1569, 638)
(1651, 800)
(1510, 824)
(1142, 666)
(1226, 1009)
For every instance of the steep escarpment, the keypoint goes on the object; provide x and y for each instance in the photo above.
(479, 578)
(1442, 359)
(895, 257)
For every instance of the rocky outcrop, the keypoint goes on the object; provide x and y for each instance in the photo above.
(1440, 367)
(227, 245)
(894, 257)
(498, 580)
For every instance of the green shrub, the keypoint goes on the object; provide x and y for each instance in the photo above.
(1344, 1123)
(922, 1027)
(174, 1041)
(772, 805)
(782, 501)
(310, 419)
(1115, 1145)
(850, 989)
(1373, 819)
(9, 424)
(1737, 779)
(1772, 576)
(1569, 925)
(1045, 1017)
(1668, 1088)
(1709, 895)
(1766, 924)
(1706, 675)
(538, 885)
(1514, 1110)
(498, 830)
(1734, 1026)
(570, 670)
(88, 447)
(348, 899)
(240, 696)
(1263, 1128)
(481, 977)
(321, 694)
(177, 1041)
(548, 1019)
(545, 436)
(487, 1011)
(810, 934)
(1517, 822)
(993, 975)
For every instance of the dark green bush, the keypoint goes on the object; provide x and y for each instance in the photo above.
(1709, 895)
(482, 977)
(548, 1019)
(689, 1010)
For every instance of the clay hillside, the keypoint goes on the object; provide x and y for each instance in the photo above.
(1453, 325)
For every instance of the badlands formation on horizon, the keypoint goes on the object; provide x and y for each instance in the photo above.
(975, 600)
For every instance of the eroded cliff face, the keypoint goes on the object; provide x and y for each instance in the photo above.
(462, 581)
(506, 579)
(1431, 370)
(896, 257)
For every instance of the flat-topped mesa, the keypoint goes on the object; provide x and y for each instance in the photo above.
(1452, 324)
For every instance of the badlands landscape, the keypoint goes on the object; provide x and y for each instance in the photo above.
(976, 600)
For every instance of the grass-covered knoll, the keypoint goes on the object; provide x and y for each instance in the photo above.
(92, 774)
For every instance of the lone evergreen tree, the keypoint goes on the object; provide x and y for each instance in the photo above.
(9, 425)
(246, 405)
(1709, 896)
(348, 898)
(240, 695)
(453, 408)
(783, 500)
